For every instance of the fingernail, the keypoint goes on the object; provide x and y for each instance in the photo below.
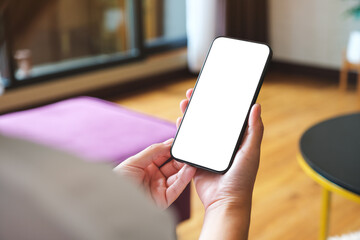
(168, 141)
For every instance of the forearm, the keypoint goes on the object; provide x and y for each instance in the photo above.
(228, 221)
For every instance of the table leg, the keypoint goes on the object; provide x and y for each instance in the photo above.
(325, 207)
(343, 78)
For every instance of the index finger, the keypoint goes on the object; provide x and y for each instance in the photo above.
(157, 153)
(189, 93)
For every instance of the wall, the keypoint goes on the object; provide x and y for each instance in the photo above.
(310, 32)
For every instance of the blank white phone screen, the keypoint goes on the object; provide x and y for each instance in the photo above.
(221, 100)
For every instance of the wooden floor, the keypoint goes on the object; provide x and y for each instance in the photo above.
(286, 202)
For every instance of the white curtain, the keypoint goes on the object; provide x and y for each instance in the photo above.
(204, 22)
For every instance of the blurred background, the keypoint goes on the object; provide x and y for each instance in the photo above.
(73, 36)
(144, 54)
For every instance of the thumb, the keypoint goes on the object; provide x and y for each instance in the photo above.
(157, 153)
(255, 130)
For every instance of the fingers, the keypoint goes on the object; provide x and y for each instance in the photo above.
(156, 153)
(185, 102)
(171, 168)
(256, 126)
(178, 182)
(247, 159)
(255, 130)
(183, 105)
(178, 121)
(189, 93)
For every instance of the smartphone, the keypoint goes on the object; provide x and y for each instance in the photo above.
(215, 119)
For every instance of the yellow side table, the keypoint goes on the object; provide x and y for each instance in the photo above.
(330, 155)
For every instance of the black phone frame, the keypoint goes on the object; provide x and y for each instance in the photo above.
(241, 135)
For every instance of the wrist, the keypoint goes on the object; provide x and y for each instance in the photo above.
(227, 220)
(231, 204)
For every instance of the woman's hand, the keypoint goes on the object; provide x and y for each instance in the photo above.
(164, 181)
(227, 198)
(235, 186)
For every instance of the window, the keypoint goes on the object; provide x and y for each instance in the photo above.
(164, 24)
(76, 36)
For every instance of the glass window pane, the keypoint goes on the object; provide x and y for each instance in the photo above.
(164, 21)
(70, 35)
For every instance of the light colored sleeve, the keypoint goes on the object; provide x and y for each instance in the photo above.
(47, 194)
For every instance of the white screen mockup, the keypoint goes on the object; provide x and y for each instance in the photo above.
(217, 111)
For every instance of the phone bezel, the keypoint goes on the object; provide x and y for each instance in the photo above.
(240, 138)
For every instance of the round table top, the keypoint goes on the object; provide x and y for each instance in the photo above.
(332, 149)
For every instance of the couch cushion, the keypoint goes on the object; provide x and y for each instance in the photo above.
(93, 129)
(88, 127)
